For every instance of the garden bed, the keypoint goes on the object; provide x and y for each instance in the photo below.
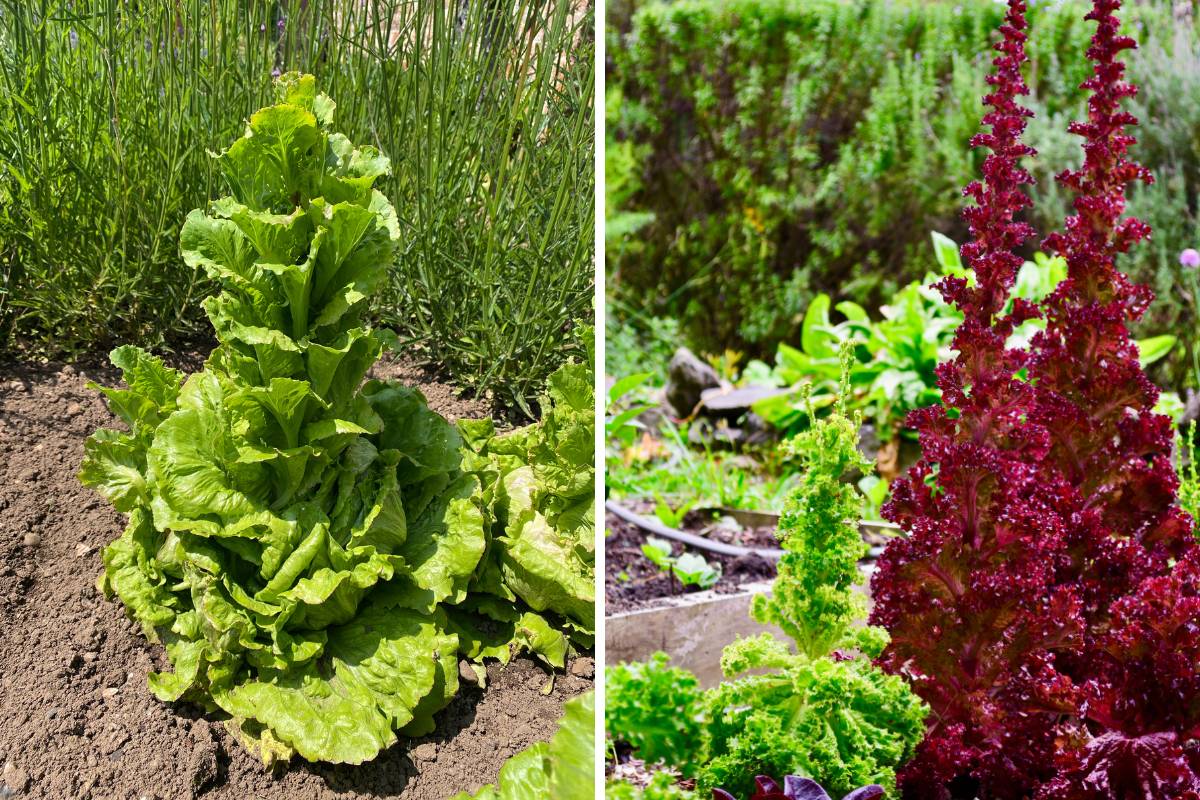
(693, 628)
(76, 717)
(632, 582)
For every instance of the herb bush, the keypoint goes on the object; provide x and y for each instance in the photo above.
(295, 540)
(877, 102)
(107, 110)
(1045, 598)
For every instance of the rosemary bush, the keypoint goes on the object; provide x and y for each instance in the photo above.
(799, 148)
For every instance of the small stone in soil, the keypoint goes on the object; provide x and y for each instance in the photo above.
(32, 539)
(82, 549)
(425, 752)
(15, 778)
(466, 673)
(74, 410)
(583, 668)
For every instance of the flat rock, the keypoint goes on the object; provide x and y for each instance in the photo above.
(736, 401)
(687, 377)
(15, 778)
(583, 667)
(426, 751)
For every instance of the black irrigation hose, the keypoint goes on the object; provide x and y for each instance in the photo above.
(691, 539)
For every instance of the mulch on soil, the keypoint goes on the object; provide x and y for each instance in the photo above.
(76, 718)
(632, 582)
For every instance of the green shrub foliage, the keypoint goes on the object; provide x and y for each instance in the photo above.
(791, 149)
(294, 537)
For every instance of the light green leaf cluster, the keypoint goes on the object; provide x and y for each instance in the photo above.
(659, 710)
(816, 598)
(842, 722)
(820, 709)
(296, 539)
(563, 768)
(539, 490)
(661, 787)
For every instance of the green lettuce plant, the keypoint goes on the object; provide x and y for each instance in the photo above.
(563, 768)
(535, 586)
(658, 709)
(294, 537)
(822, 709)
(690, 569)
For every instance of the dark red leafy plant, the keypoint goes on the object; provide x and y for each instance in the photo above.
(798, 788)
(969, 597)
(1044, 603)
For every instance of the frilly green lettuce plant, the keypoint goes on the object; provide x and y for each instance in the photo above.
(294, 538)
(821, 710)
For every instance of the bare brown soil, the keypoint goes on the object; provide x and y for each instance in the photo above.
(76, 719)
(632, 581)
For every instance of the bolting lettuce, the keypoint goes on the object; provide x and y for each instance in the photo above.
(297, 540)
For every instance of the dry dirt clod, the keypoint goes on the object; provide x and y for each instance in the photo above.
(425, 752)
(583, 667)
(15, 778)
(32, 539)
(74, 410)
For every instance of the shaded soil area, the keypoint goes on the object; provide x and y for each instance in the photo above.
(632, 581)
(76, 718)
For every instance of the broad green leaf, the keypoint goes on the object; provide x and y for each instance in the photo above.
(1154, 348)
(114, 465)
(945, 250)
(815, 339)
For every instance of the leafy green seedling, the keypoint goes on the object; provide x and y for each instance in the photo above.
(690, 569)
(671, 517)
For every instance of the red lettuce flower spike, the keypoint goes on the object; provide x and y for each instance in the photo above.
(1093, 395)
(970, 596)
